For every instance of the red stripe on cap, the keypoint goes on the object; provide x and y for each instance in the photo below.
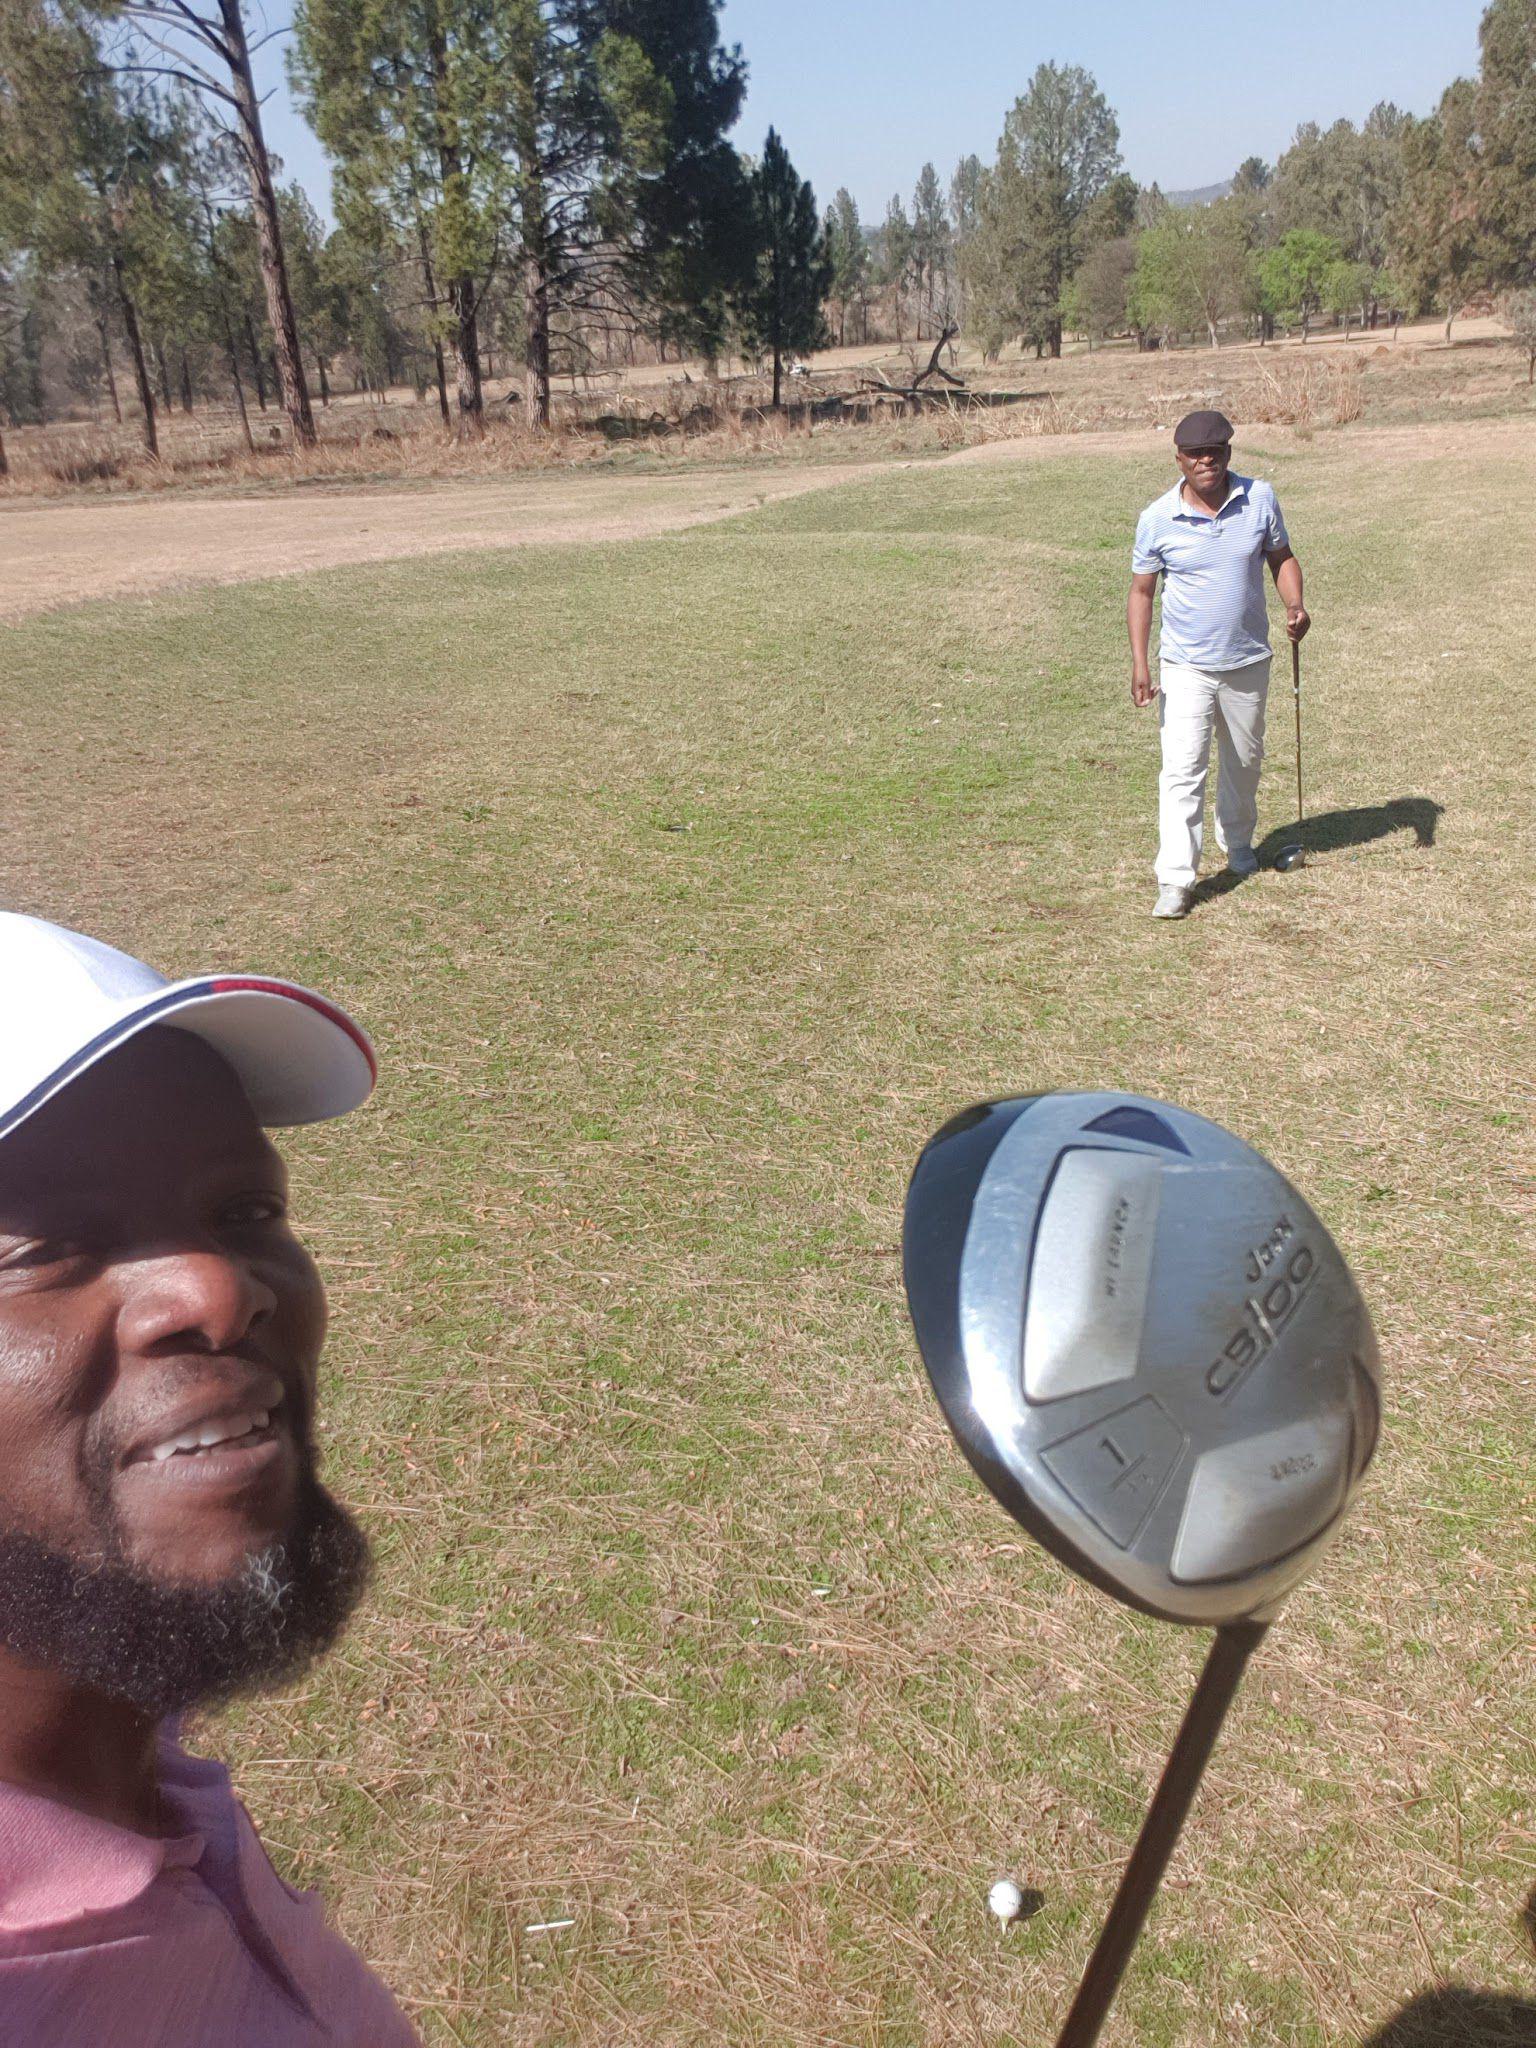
(235, 984)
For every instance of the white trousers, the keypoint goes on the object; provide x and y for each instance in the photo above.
(1194, 703)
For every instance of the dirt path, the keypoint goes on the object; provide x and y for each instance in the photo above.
(62, 551)
(55, 552)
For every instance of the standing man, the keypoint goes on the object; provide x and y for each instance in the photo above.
(165, 1540)
(1209, 539)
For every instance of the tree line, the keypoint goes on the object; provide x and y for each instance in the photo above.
(1399, 215)
(548, 185)
(536, 180)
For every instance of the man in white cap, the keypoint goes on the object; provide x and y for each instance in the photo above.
(165, 1541)
(1209, 539)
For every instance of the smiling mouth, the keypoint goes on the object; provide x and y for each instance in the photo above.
(241, 1432)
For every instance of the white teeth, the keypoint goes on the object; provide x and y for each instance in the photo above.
(208, 1434)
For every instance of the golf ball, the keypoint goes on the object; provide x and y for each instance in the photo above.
(1006, 1900)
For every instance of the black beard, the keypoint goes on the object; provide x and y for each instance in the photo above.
(163, 1647)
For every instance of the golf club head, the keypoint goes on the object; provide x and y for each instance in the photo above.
(1146, 1343)
(1292, 856)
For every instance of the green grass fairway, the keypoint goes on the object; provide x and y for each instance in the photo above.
(687, 885)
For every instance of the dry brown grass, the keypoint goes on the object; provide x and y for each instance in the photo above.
(1286, 388)
(666, 421)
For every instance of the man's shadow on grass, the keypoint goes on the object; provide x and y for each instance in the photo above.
(1454, 2017)
(1330, 830)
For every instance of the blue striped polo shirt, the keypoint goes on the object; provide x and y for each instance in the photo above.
(1214, 615)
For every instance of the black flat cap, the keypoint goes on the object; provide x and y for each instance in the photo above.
(1202, 430)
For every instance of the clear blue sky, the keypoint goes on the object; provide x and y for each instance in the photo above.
(864, 91)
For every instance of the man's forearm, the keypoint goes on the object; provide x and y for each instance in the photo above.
(1138, 619)
(1288, 583)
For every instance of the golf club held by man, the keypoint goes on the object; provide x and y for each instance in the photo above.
(1209, 539)
(165, 1541)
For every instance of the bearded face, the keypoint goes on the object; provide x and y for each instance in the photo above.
(164, 1536)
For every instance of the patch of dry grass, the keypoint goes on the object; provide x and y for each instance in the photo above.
(669, 420)
(687, 886)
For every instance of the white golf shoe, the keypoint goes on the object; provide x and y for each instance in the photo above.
(1172, 902)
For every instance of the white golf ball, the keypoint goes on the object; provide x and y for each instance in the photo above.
(1006, 1900)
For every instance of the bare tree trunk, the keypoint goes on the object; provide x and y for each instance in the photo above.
(269, 234)
(778, 372)
(5, 460)
(186, 383)
(429, 285)
(442, 377)
(125, 306)
(465, 343)
(235, 379)
(225, 321)
(536, 301)
(106, 363)
(465, 337)
(325, 387)
(256, 370)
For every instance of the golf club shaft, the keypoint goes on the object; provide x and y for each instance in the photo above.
(1171, 1802)
(1296, 700)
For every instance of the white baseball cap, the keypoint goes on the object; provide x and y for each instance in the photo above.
(66, 1001)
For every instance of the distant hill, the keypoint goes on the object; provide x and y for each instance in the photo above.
(1202, 195)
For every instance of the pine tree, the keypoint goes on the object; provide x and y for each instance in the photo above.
(527, 135)
(848, 254)
(189, 36)
(79, 164)
(1505, 115)
(1439, 248)
(932, 248)
(780, 311)
(1059, 148)
(964, 187)
(896, 257)
(688, 236)
(1058, 153)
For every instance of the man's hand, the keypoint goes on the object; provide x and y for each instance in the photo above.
(1297, 620)
(1143, 689)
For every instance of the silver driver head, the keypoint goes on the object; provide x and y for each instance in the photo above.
(1146, 1343)
(1292, 856)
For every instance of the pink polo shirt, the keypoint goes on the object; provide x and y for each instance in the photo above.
(190, 1941)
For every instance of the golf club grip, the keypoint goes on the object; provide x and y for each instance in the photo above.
(1171, 1802)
